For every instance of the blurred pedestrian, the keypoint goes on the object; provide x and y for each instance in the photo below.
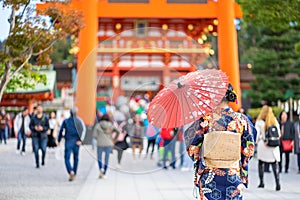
(182, 150)
(61, 120)
(99, 115)
(243, 111)
(265, 153)
(160, 150)
(261, 121)
(151, 134)
(31, 115)
(221, 144)
(8, 126)
(103, 133)
(297, 141)
(187, 163)
(3, 125)
(53, 128)
(287, 137)
(168, 135)
(22, 130)
(74, 130)
(39, 125)
(121, 142)
(34, 112)
(136, 131)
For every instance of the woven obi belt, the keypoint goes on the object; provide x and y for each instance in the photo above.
(222, 149)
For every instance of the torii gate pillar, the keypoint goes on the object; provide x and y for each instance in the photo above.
(86, 69)
(227, 45)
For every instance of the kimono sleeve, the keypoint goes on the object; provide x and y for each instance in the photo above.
(191, 139)
(193, 142)
(247, 147)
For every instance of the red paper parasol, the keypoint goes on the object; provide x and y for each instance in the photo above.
(188, 98)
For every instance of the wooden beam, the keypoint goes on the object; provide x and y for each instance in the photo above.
(161, 9)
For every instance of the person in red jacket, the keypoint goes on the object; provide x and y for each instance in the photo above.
(168, 136)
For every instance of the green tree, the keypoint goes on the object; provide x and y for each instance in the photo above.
(31, 36)
(277, 15)
(61, 51)
(276, 66)
(274, 14)
(248, 36)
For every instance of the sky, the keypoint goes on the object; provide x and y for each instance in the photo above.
(4, 25)
(4, 15)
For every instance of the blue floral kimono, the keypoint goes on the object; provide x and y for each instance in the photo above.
(217, 183)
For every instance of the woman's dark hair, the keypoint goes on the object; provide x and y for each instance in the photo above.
(230, 95)
(50, 115)
(279, 118)
(105, 117)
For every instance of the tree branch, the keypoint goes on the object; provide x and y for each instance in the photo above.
(25, 7)
(19, 67)
(46, 49)
(51, 25)
(34, 42)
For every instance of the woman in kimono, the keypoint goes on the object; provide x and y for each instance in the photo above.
(221, 178)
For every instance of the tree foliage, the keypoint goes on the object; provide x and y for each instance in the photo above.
(31, 36)
(270, 42)
(276, 15)
(61, 51)
(276, 66)
(25, 79)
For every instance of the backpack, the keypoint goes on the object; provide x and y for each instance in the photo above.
(272, 137)
(167, 133)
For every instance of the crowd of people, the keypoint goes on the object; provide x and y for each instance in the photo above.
(126, 126)
(254, 136)
(45, 131)
(285, 140)
(116, 128)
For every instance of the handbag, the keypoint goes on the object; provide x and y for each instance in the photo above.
(287, 145)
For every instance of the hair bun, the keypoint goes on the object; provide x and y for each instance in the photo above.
(230, 94)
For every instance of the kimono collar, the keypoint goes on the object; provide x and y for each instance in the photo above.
(221, 111)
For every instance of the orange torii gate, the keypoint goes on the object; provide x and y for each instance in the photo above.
(225, 11)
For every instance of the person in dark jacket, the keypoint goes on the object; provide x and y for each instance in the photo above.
(3, 125)
(74, 130)
(121, 142)
(297, 141)
(39, 125)
(287, 133)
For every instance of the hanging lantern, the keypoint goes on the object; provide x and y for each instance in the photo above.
(164, 27)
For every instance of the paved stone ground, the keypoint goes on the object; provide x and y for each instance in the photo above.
(138, 179)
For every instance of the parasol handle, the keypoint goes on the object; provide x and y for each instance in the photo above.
(179, 85)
